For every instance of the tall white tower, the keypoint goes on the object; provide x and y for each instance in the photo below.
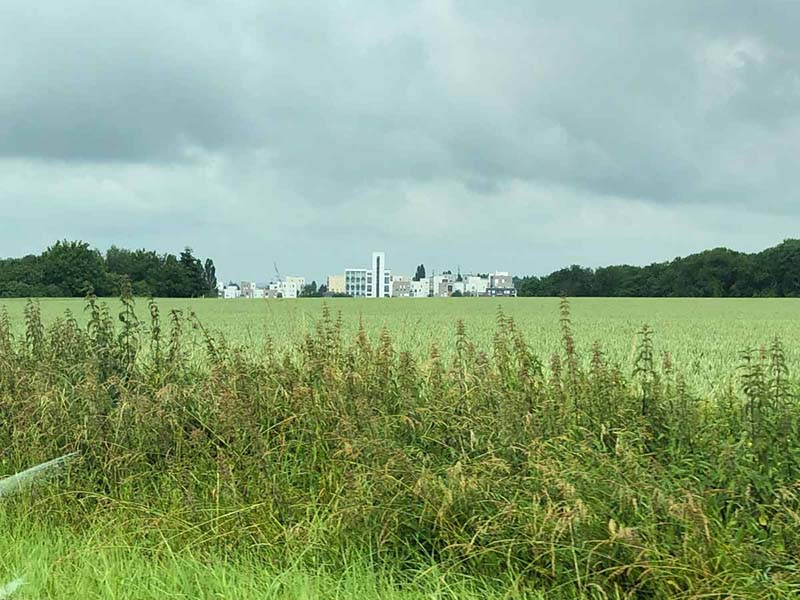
(380, 277)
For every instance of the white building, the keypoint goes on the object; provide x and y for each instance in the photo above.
(374, 282)
(400, 286)
(231, 291)
(378, 277)
(247, 289)
(290, 287)
(298, 282)
(419, 289)
(377, 282)
(460, 287)
(476, 286)
(400, 289)
(441, 286)
(284, 289)
(355, 282)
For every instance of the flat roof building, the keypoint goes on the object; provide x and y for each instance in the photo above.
(336, 284)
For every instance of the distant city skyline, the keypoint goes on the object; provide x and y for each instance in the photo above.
(271, 276)
(377, 282)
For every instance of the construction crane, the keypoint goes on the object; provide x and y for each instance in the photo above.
(277, 272)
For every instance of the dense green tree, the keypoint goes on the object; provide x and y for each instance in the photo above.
(140, 267)
(310, 291)
(24, 277)
(74, 268)
(780, 269)
(193, 275)
(420, 274)
(713, 273)
(210, 272)
(172, 279)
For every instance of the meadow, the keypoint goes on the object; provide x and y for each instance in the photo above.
(704, 336)
(463, 448)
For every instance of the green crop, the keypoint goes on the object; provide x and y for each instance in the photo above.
(704, 336)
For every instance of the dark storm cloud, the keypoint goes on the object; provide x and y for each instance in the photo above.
(239, 113)
(114, 82)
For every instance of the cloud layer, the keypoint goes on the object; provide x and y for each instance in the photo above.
(518, 135)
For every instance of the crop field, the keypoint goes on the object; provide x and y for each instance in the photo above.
(704, 336)
(464, 448)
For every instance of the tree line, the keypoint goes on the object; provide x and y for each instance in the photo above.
(723, 273)
(73, 268)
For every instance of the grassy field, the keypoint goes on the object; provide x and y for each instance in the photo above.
(104, 566)
(507, 456)
(704, 336)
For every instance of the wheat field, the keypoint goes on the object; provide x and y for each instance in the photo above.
(704, 336)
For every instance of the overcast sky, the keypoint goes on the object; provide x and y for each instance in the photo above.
(520, 136)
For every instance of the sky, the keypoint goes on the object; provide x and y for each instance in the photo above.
(521, 136)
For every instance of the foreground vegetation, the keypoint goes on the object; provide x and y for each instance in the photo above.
(562, 475)
(103, 565)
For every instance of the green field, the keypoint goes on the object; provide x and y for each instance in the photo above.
(104, 566)
(272, 449)
(704, 336)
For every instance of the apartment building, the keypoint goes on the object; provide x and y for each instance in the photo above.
(501, 283)
(298, 282)
(401, 289)
(475, 285)
(336, 284)
(247, 289)
(400, 286)
(374, 282)
(501, 280)
(458, 288)
(288, 288)
(419, 289)
(355, 282)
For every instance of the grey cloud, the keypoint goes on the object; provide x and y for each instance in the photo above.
(335, 109)
(99, 82)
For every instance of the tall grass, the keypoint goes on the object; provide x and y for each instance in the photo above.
(13, 485)
(104, 565)
(572, 475)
